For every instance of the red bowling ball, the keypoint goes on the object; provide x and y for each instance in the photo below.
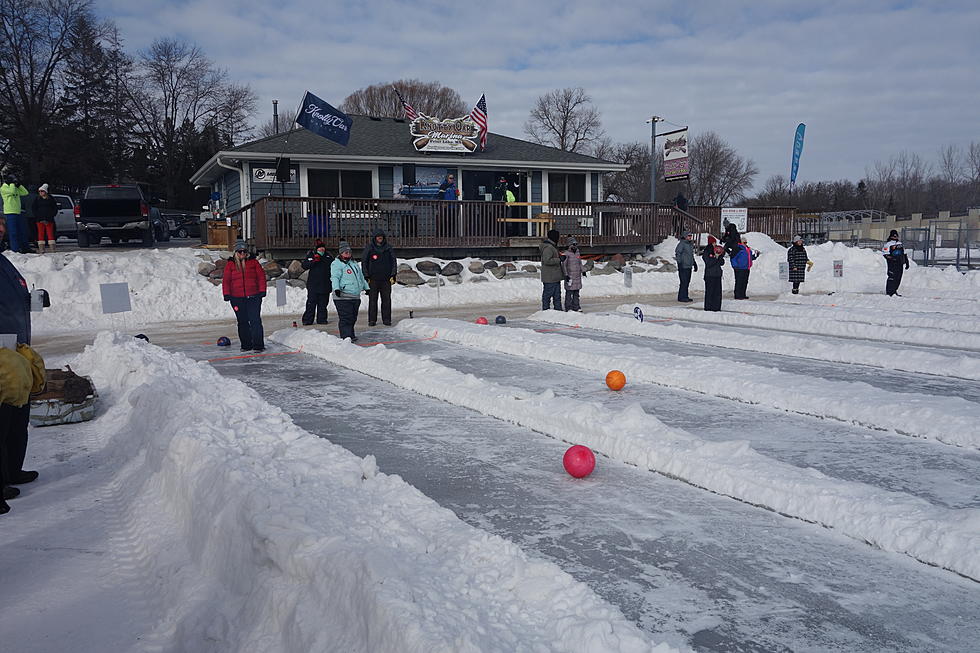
(482, 320)
(579, 461)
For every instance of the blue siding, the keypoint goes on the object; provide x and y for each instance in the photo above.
(231, 187)
(595, 187)
(261, 189)
(536, 188)
(386, 181)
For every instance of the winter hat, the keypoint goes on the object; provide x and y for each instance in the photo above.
(553, 236)
(343, 247)
(893, 234)
(43, 187)
(572, 242)
(240, 245)
(686, 234)
(712, 240)
(797, 237)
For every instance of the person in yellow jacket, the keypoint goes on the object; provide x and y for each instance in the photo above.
(11, 192)
(21, 375)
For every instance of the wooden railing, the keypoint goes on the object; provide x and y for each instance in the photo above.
(295, 222)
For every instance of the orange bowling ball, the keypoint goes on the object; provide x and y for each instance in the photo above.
(616, 380)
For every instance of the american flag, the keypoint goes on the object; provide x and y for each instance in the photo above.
(479, 116)
(410, 112)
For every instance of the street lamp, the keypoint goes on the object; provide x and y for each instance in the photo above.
(653, 157)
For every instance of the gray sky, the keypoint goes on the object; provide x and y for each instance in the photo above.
(869, 78)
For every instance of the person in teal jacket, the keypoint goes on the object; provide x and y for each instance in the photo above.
(348, 284)
(12, 192)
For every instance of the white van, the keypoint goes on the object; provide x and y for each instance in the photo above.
(64, 222)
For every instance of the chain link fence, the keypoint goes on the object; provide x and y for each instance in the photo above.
(944, 243)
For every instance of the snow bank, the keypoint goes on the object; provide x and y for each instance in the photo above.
(831, 324)
(893, 521)
(951, 420)
(263, 537)
(895, 317)
(883, 302)
(887, 356)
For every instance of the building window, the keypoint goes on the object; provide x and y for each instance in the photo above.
(566, 188)
(339, 183)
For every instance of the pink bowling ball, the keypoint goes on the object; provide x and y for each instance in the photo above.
(579, 461)
(482, 320)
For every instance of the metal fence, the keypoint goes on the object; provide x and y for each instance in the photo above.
(944, 243)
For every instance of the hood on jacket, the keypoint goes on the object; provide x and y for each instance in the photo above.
(553, 236)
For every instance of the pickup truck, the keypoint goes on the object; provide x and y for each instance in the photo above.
(120, 212)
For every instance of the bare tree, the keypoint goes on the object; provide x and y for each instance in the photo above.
(719, 175)
(565, 118)
(429, 98)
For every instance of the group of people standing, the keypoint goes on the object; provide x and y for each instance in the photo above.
(560, 266)
(43, 208)
(713, 259)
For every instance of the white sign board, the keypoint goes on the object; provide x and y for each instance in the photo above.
(37, 301)
(280, 292)
(736, 216)
(628, 277)
(268, 175)
(783, 271)
(839, 268)
(115, 297)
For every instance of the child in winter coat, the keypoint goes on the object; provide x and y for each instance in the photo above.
(348, 284)
(571, 265)
(714, 258)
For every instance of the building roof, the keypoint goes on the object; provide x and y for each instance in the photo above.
(387, 140)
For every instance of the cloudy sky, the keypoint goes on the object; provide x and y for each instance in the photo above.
(870, 79)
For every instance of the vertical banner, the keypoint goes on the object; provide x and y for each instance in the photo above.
(324, 120)
(676, 167)
(797, 151)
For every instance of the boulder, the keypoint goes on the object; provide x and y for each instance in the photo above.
(476, 267)
(510, 267)
(666, 267)
(452, 268)
(296, 283)
(605, 269)
(478, 279)
(529, 268)
(588, 265)
(217, 273)
(404, 266)
(618, 261)
(204, 269)
(428, 268)
(295, 269)
(216, 282)
(437, 281)
(305, 276)
(409, 277)
(500, 272)
(489, 265)
(454, 278)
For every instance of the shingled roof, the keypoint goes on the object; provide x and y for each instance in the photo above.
(389, 137)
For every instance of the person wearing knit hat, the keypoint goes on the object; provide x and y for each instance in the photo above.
(551, 274)
(799, 263)
(318, 284)
(45, 209)
(348, 283)
(895, 258)
(684, 256)
(243, 284)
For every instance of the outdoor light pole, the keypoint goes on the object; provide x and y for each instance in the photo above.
(653, 157)
(275, 114)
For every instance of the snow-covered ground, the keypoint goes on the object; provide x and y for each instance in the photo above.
(410, 496)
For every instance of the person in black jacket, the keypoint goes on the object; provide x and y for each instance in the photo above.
(731, 240)
(895, 258)
(45, 208)
(318, 284)
(799, 263)
(714, 258)
(379, 265)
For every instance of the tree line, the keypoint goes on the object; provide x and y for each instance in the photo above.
(76, 109)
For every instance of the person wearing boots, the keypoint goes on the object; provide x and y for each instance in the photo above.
(551, 274)
(243, 284)
(572, 266)
(12, 191)
(684, 255)
(714, 258)
(895, 258)
(799, 263)
(45, 209)
(318, 284)
(348, 284)
(379, 266)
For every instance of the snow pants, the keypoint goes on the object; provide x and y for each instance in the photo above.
(316, 306)
(347, 316)
(13, 440)
(741, 283)
(685, 281)
(378, 289)
(572, 300)
(712, 294)
(895, 271)
(15, 232)
(247, 312)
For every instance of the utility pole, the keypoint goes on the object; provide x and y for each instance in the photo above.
(653, 157)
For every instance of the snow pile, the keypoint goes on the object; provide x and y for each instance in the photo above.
(891, 520)
(830, 323)
(940, 304)
(784, 344)
(951, 420)
(262, 537)
(895, 317)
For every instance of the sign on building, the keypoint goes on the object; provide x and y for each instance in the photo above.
(268, 175)
(445, 135)
(736, 216)
(676, 166)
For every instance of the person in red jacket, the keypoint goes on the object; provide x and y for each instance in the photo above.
(243, 284)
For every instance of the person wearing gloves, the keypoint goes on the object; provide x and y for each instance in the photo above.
(714, 258)
(45, 209)
(684, 255)
(379, 266)
(348, 284)
(742, 264)
(11, 191)
(551, 274)
(799, 263)
(895, 258)
(572, 266)
(318, 285)
(243, 284)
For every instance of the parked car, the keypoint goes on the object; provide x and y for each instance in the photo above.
(185, 225)
(121, 212)
(64, 222)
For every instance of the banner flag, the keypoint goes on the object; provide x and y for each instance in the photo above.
(797, 151)
(324, 120)
(676, 166)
